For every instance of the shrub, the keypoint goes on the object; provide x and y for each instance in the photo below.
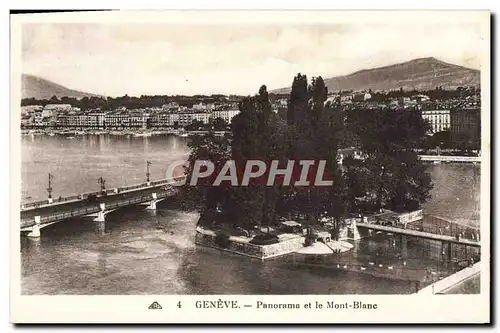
(265, 239)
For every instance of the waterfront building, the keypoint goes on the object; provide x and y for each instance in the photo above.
(117, 120)
(184, 119)
(138, 119)
(96, 120)
(227, 115)
(466, 120)
(204, 117)
(188, 117)
(37, 117)
(27, 120)
(93, 120)
(164, 119)
(438, 119)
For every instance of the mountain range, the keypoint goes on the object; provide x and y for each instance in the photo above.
(36, 87)
(419, 74)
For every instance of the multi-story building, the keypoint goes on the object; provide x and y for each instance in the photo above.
(438, 119)
(227, 115)
(27, 121)
(466, 121)
(96, 120)
(164, 119)
(139, 119)
(93, 120)
(117, 120)
(188, 117)
(204, 117)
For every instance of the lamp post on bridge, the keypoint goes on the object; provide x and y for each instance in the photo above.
(49, 189)
(148, 164)
(102, 183)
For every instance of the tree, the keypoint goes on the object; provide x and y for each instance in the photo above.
(54, 100)
(219, 124)
(216, 149)
(196, 125)
(313, 128)
(391, 174)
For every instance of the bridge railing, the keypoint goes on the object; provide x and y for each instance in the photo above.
(92, 209)
(83, 196)
(423, 234)
(450, 158)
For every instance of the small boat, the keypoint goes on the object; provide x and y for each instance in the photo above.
(70, 137)
(51, 134)
(390, 267)
(363, 268)
(184, 135)
(371, 263)
(338, 266)
(345, 266)
(380, 265)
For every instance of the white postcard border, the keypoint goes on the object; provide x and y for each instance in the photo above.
(134, 309)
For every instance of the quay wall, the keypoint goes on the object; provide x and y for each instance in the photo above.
(241, 246)
(451, 281)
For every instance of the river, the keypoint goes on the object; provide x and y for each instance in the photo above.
(143, 252)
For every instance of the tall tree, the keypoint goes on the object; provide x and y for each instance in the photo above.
(391, 173)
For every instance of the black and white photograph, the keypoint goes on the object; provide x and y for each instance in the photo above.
(245, 156)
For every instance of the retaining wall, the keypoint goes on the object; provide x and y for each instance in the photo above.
(239, 246)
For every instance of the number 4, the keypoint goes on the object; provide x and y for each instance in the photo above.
(179, 305)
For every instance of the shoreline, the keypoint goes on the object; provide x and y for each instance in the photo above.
(137, 132)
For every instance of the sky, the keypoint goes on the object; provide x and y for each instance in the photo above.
(169, 58)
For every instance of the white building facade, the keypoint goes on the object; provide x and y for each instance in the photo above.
(439, 119)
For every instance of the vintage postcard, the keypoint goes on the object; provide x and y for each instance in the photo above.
(250, 167)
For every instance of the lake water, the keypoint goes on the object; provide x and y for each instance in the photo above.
(143, 252)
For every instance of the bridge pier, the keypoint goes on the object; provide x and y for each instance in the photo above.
(35, 230)
(354, 232)
(101, 227)
(152, 203)
(101, 215)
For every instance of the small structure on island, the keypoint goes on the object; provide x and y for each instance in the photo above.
(323, 237)
(292, 227)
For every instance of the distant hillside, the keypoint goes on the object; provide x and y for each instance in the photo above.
(420, 74)
(36, 87)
